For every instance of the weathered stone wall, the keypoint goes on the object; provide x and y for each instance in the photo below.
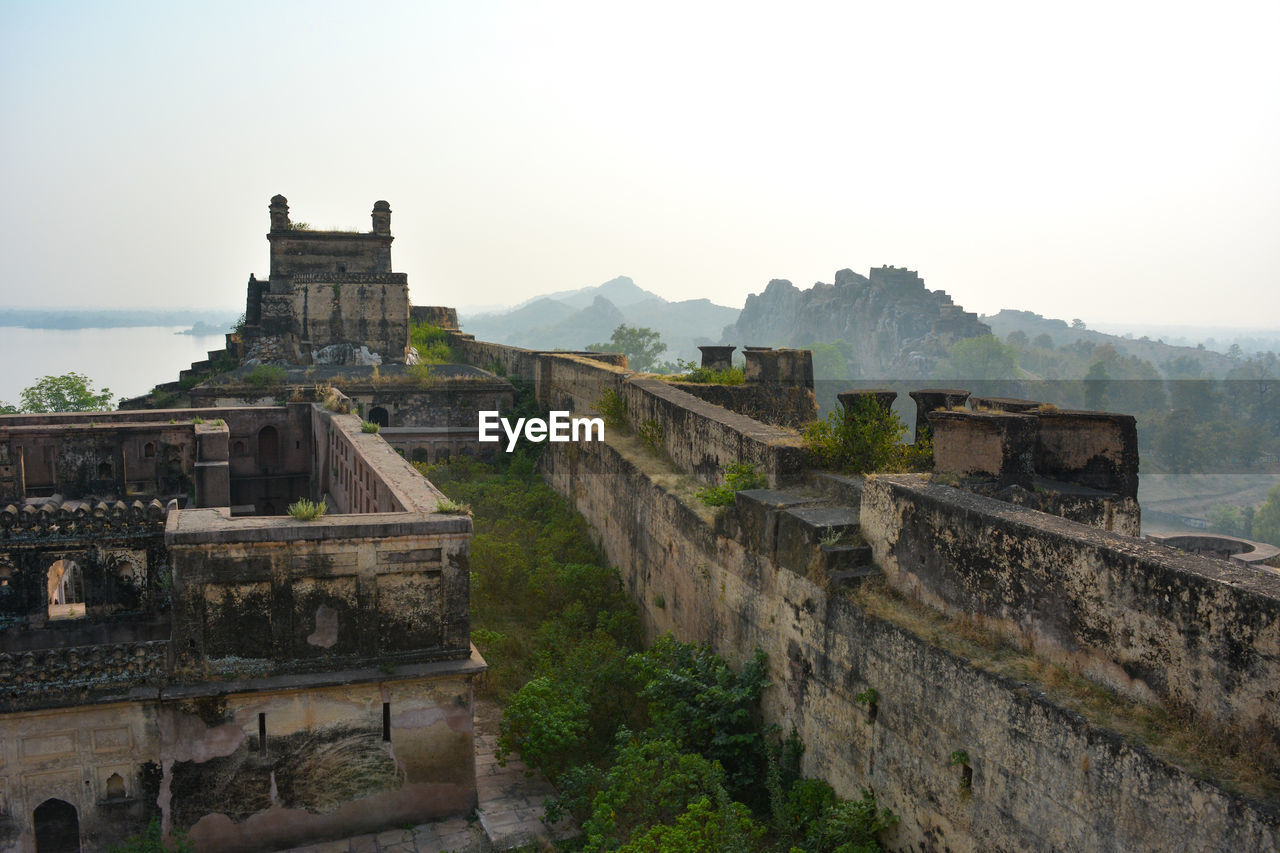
(355, 752)
(362, 310)
(362, 473)
(253, 596)
(783, 405)
(434, 315)
(1042, 778)
(699, 437)
(1203, 633)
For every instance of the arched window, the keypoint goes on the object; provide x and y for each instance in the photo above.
(238, 448)
(268, 447)
(149, 451)
(57, 827)
(115, 787)
(378, 415)
(104, 471)
(65, 586)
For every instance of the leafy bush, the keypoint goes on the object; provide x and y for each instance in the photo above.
(613, 408)
(263, 375)
(738, 476)
(307, 510)
(653, 436)
(369, 427)
(705, 375)
(432, 344)
(152, 840)
(863, 438)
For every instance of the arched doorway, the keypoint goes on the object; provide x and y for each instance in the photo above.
(268, 448)
(65, 587)
(57, 827)
(378, 415)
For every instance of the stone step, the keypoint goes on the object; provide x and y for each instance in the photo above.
(853, 578)
(801, 530)
(837, 558)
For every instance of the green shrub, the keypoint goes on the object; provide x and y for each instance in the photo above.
(369, 427)
(864, 438)
(653, 436)
(448, 507)
(307, 510)
(613, 408)
(263, 375)
(432, 344)
(705, 375)
(152, 840)
(737, 477)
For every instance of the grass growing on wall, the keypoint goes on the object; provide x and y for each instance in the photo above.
(432, 344)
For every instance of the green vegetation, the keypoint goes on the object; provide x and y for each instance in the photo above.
(613, 408)
(70, 392)
(737, 476)
(263, 375)
(152, 840)
(705, 375)
(369, 427)
(432, 344)
(449, 507)
(863, 438)
(652, 434)
(300, 226)
(307, 510)
(641, 345)
(658, 750)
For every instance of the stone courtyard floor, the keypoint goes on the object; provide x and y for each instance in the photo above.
(509, 815)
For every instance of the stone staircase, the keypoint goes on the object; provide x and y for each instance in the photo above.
(811, 530)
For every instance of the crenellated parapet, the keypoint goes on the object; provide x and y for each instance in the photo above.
(79, 520)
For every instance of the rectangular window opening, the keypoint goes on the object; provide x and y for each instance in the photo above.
(262, 733)
(386, 721)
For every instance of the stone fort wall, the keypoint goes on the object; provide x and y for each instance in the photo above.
(1040, 777)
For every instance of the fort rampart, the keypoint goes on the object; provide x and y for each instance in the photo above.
(971, 760)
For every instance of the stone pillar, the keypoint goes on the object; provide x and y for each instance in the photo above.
(213, 470)
(882, 396)
(795, 367)
(279, 213)
(382, 218)
(1098, 450)
(929, 400)
(992, 446)
(717, 358)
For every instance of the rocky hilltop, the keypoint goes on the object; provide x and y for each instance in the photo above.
(895, 325)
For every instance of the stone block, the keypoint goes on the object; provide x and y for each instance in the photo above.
(929, 400)
(882, 396)
(1094, 449)
(801, 529)
(757, 511)
(717, 358)
(995, 446)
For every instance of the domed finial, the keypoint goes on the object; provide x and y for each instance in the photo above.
(381, 218)
(279, 213)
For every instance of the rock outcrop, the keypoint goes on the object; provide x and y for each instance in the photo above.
(896, 326)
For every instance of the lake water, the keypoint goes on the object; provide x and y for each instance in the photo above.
(129, 361)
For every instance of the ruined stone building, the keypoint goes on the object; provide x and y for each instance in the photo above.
(253, 680)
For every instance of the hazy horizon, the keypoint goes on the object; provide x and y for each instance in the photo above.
(1113, 162)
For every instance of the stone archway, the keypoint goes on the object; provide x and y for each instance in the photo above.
(57, 827)
(379, 416)
(64, 584)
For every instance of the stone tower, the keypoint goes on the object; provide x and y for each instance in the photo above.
(331, 296)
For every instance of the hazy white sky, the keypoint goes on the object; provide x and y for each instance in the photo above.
(1110, 161)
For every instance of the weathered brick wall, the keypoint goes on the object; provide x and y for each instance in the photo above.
(1043, 779)
(1202, 632)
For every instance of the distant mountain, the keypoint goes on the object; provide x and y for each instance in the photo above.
(575, 318)
(892, 324)
(1157, 352)
(114, 318)
(621, 291)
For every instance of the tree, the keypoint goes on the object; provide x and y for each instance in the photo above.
(70, 392)
(1077, 324)
(1095, 386)
(983, 357)
(641, 345)
(1266, 521)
